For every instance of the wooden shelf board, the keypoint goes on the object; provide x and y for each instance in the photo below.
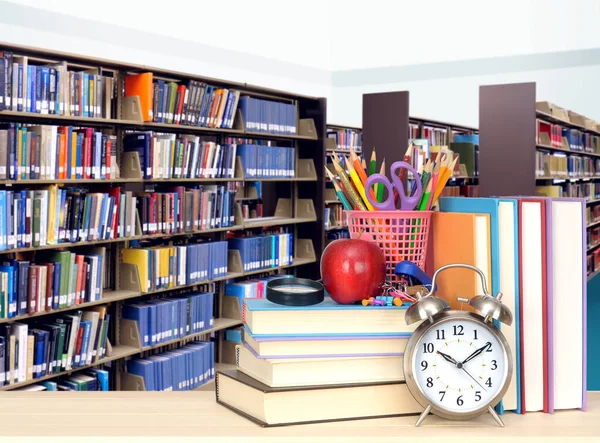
(593, 224)
(591, 248)
(276, 221)
(463, 177)
(333, 202)
(343, 151)
(295, 262)
(571, 179)
(190, 129)
(259, 135)
(55, 119)
(567, 151)
(591, 202)
(195, 232)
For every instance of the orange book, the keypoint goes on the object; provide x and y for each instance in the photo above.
(141, 85)
(461, 238)
(62, 157)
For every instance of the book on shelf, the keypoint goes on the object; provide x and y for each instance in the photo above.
(51, 215)
(166, 319)
(264, 251)
(436, 136)
(187, 209)
(52, 346)
(35, 87)
(165, 156)
(56, 280)
(261, 161)
(268, 116)
(88, 380)
(185, 368)
(346, 139)
(191, 103)
(165, 267)
(46, 152)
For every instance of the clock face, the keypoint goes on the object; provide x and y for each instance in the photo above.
(460, 365)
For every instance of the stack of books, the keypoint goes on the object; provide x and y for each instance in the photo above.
(318, 363)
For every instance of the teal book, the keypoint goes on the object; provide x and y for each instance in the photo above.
(263, 317)
(504, 241)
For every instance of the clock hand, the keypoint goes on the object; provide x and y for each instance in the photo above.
(447, 358)
(463, 368)
(477, 352)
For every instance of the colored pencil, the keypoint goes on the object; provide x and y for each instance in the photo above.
(443, 181)
(360, 171)
(345, 203)
(341, 187)
(364, 164)
(373, 163)
(357, 183)
(354, 197)
(380, 186)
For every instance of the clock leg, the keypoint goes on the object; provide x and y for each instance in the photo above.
(496, 417)
(423, 415)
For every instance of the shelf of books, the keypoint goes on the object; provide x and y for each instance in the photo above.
(131, 198)
(550, 151)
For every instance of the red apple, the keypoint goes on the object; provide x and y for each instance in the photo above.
(352, 270)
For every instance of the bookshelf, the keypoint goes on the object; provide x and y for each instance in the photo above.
(546, 149)
(294, 203)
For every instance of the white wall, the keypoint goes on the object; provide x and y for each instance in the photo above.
(248, 41)
(379, 33)
(457, 99)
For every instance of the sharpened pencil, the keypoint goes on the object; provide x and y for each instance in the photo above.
(373, 162)
(359, 186)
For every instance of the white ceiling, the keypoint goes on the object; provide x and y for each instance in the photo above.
(336, 35)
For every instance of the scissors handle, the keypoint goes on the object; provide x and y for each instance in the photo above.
(388, 203)
(406, 203)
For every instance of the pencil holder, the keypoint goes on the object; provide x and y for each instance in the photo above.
(401, 235)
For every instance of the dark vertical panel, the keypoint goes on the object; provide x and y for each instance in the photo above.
(385, 125)
(507, 139)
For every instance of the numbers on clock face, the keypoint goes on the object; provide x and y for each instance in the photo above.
(459, 365)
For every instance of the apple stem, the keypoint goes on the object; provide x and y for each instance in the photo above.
(360, 233)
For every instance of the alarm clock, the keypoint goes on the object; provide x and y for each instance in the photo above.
(458, 364)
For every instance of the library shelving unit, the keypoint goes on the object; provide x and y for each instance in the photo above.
(295, 204)
(340, 138)
(388, 127)
(546, 150)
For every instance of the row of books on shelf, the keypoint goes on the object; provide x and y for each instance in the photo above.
(165, 156)
(268, 116)
(166, 319)
(335, 235)
(185, 368)
(52, 346)
(264, 251)
(51, 88)
(252, 210)
(346, 139)
(592, 214)
(56, 280)
(45, 152)
(561, 166)
(54, 215)
(559, 137)
(436, 136)
(165, 267)
(588, 190)
(187, 209)
(260, 161)
(464, 151)
(92, 379)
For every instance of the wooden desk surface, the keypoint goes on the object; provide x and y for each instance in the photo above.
(185, 416)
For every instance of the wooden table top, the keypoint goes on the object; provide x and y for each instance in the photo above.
(185, 416)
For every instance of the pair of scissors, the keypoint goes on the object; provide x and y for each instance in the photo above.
(407, 203)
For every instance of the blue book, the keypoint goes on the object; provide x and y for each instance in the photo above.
(87, 327)
(101, 375)
(50, 385)
(145, 369)
(474, 138)
(504, 242)
(139, 313)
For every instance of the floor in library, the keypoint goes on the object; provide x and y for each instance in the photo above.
(195, 414)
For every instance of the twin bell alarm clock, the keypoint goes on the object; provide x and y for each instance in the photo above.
(457, 364)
